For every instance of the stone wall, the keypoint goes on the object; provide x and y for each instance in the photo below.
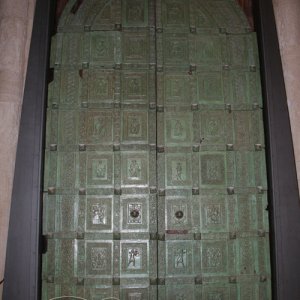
(287, 14)
(16, 18)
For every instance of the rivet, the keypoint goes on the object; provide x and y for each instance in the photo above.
(118, 66)
(152, 105)
(118, 27)
(152, 147)
(159, 30)
(51, 190)
(193, 29)
(229, 147)
(160, 149)
(54, 105)
(160, 108)
(222, 30)
(232, 235)
(87, 27)
(195, 191)
(258, 147)
(161, 237)
(153, 190)
(162, 192)
(260, 190)
(197, 236)
(80, 235)
(226, 67)
(116, 236)
(229, 107)
(261, 233)
(53, 147)
(263, 278)
(116, 147)
(82, 147)
(153, 281)
(252, 68)
(196, 148)
(255, 106)
(230, 190)
(80, 281)
(85, 65)
(193, 68)
(159, 68)
(82, 191)
(116, 281)
(50, 279)
(195, 107)
(232, 279)
(153, 236)
(161, 281)
(84, 104)
(118, 191)
(198, 280)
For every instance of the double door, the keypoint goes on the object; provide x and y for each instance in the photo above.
(155, 181)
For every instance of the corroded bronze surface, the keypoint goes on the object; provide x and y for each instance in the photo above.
(155, 167)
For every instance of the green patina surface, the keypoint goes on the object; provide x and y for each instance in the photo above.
(155, 181)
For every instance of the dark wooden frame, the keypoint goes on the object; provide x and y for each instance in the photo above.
(23, 263)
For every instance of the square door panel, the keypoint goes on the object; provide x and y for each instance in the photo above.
(135, 168)
(177, 87)
(100, 86)
(135, 13)
(96, 127)
(135, 47)
(135, 87)
(179, 258)
(67, 173)
(72, 49)
(134, 258)
(213, 169)
(135, 213)
(178, 128)
(180, 292)
(135, 126)
(100, 166)
(99, 258)
(68, 127)
(176, 49)
(178, 170)
(178, 213)
(213, 213)
(214, 257)
(209, 50)
(102, 48)
(210, 88)
(99, 212)
(175, 13)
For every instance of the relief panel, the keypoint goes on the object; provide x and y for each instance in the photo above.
(216, 292)
(135, 47)
(135, 126)
(99, 258)
(98, 214)
(178, 214)
(67, 127)
(176, 49)
(135, 293)
(102, 48)
(72, 49)
(177, 89)
(67, 170)
(135, 214)
(175, 13)
(208, 50)
(99, 169)
(179, 258)
(135, 168)
(213, 127)
(213, 169)
(135, 13)
(214, 257)
(101, 86)
(178, 167)
(134, 257)
(70, 87)
(178, 128)
(210, 88)
(180, 292)
(135, 87)
(96, 127)
(213, 214)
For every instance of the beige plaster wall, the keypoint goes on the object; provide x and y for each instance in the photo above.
(16, 17)
(287, 14)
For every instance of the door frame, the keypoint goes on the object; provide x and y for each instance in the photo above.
(25, 243)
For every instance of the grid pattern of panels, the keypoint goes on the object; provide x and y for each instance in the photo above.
(100, 177)
(212, 223)
(155, 181)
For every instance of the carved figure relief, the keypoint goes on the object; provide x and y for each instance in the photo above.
(175, 13)
(99, 167)
(134, 126)
(99, 214)
(99, 259)
(135, 11)
(180, 258)
(134, 169)
(99, 128)
(213, 214)
(134, 259)
(178, 171)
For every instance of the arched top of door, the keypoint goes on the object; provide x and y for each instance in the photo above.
(85, 15)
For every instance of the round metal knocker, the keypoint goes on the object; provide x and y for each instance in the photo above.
(179, 214)
(134, 213)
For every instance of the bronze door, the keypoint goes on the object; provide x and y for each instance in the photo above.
(155, 181)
